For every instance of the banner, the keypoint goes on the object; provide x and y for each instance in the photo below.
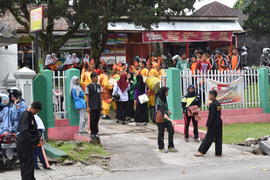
(36, 19)
(77, 43)
(117, 39)
(231, 93)
(186, 36)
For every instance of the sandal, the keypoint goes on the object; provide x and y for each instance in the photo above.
(199, 154)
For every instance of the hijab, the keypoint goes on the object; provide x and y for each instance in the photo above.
(140, 85)
(123, 83)
(188, 95)
(74, 84)
(68, 60)
(162, 94)
(48, 60)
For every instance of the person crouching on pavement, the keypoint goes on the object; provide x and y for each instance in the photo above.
(163, 120)
(79, 102)
(93, 102)
(189, 101)
(214, 125)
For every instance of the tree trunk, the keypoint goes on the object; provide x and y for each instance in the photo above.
(98, 43)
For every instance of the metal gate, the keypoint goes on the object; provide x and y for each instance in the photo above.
(59, 97)
(198, 79)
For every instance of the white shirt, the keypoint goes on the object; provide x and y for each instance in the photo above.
(123, 95)
(39, 122)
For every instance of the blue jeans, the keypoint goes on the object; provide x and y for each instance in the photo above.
(38, 154)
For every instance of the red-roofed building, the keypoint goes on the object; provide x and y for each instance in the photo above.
(212, 26)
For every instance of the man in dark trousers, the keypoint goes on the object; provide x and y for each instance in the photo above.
(27, 139)
(214, 125)
(92, 92)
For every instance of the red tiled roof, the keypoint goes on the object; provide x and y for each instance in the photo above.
(214, 9)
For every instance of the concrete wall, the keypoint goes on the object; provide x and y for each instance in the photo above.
(8, 61)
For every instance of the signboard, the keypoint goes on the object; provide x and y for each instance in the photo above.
(228, 93)
(36, 19)
(77, 43)
(117, 39)
(186, 36)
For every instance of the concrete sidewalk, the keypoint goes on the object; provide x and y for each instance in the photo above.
(135, 147)
(134, 150)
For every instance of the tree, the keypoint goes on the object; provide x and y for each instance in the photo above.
(97, 14)
(258, 22)
(55, 9)
(93, 15)
(239, 4)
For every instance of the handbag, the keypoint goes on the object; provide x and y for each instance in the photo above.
(159, 117)
(143, 98)
(116, 97)
(193, 111)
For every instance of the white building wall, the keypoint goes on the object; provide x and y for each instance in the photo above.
(8, 62)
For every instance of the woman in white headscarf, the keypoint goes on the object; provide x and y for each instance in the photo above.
(49, 62)
(79, 102)
(75, 60)
(68, 63)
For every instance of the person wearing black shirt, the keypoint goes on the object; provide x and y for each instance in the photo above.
(92, 92)
(27, 139)
(191, 99)
(214, 125)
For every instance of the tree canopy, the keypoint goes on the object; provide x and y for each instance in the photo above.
(94, 16)
(55, 9)
(258, 22)
(239, 4)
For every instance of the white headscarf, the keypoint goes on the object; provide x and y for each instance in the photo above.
(86, 59)
(74, 85)
(54, 58)
(68, 60)
(74, 58)
(48, 60)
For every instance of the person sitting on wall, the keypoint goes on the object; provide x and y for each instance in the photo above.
(76, 61)
(68, 64)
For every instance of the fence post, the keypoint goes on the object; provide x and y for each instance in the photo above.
(264, 89)
(174, 97)
(72, 113)
(42, 91)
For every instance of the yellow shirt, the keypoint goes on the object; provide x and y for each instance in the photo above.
(116, 77)
(144, 72)
(153, 72)
(104, 81)
(86, 78)
(162, 72)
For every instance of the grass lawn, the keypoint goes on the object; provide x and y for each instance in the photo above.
(80, 152)
(237, 133)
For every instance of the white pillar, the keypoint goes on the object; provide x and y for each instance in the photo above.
(24, 81)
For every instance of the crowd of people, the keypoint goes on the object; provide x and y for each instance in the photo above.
(204, 61)
(121, 88)
(199, 61)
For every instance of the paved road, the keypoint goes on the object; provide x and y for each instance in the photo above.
(244, 170)
(134, 155)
